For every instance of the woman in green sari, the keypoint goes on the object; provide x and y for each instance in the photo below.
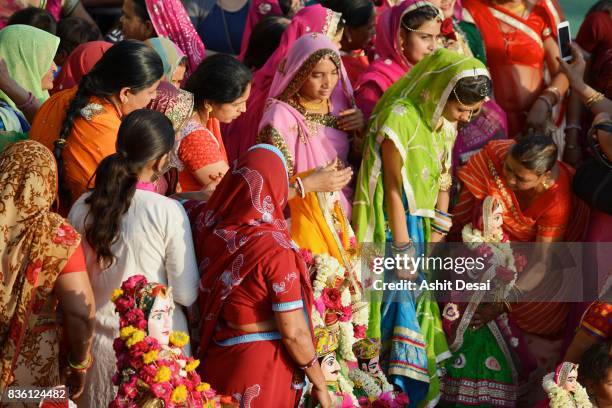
(402, 199)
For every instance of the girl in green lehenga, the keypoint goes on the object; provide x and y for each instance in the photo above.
(402, 199)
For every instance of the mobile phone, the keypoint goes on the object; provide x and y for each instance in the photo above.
(564, 37)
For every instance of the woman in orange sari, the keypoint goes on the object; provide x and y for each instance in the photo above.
(520, 37)
(80, 124)
(536, 193)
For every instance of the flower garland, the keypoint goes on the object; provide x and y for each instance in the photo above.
(369, 385)
(499, 253)
(561, 398)
(148, 370)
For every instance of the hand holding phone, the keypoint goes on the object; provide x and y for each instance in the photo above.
(565, 38)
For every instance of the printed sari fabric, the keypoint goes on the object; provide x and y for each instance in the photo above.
(596, 320)
(307, 140)
(250, 271)
(410, 115)
(242, 132)
(170, 20)
(55, 7)
(28, 53)
(510, 41)
(35, 245)
(92, 138)
(80, 61)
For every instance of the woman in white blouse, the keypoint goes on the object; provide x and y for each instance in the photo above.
(129, 229)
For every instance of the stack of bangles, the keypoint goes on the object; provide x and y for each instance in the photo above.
(442, 222)
(593, 99)
(299, 187)
(81, 367)
(309, 364)
(402, 248)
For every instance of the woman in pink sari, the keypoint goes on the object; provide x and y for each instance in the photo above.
(242, 133)
(405, 34)
(310, 114)
(144, 19)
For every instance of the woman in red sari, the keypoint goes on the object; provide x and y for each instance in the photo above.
(536, 193)
(519, 39)
(255, 291)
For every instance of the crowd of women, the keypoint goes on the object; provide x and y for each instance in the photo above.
(332, 126)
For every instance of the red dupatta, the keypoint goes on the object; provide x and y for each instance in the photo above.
(242, 222)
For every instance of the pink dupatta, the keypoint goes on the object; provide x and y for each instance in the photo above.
(310, 141)
(170, 20)
(241, 134)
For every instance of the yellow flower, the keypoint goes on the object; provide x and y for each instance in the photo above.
(149, 357)
(136, 337)
(192, 366)
(179, 339)
(201, 387)
(126, 332)
(116, 293)
(163, 374)
(179, 394)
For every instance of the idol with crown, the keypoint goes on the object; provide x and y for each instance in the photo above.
(339, 387)
(152, 369)
(563, 388)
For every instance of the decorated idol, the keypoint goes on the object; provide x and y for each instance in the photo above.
(152, 369)
(563, 388)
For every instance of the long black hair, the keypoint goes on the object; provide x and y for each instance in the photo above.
(127, 64)
(140, 8)
(220, 78)
(264, 40)
(144, 135)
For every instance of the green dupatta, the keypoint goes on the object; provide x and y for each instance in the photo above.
(28, 53)
(170, 54)
(410, 114)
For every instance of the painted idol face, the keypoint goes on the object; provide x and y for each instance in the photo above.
(160, 319)
(330, 367)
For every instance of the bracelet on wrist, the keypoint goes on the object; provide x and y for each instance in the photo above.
(555, 92)
(299, 187)
(549, 105)
(577, 127)
(83, 366)
(309, 364)
(28, 103)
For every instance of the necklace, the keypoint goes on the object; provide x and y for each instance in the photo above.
(322, 106)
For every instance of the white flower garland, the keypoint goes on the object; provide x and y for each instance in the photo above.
(502, 253)
(347, 387)
(368, 383)
(561, 398)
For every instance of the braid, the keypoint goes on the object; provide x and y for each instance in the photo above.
(80, 100)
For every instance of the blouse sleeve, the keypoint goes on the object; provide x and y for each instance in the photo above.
(76, 262)
(181, 265)
(283, 282)
(590, 33)
(596, 320)
(199, 149)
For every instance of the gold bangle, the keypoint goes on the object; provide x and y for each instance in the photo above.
(81, 366)
(596, 97)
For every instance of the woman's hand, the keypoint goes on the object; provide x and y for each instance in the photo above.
(328, 178)
(572, 154)
(321, 395)
(351, 120)
(575, 70)
(538, 115)
(485, 313)
(76, 383)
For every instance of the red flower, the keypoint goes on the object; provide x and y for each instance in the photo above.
(504, 274)
(124, 303)
(520, 261)
(359, 331)
(135, 317)
(66, 235)
(33, 270)
(346, 314)
(484, 250)
(132, 282)
(332, 298)
(447, 29)
(162, 390)
(308, 258)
